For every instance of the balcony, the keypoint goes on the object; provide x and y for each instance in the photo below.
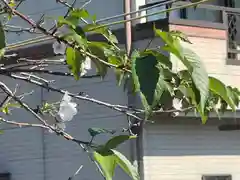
(212, 21)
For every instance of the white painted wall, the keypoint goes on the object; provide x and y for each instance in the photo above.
(175, 151)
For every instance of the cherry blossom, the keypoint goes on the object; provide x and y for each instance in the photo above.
(86, 65)
(177, 104)
(67, 108)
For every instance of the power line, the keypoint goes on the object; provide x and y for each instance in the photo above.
(166, 2)
(162, 3)
(151, 14)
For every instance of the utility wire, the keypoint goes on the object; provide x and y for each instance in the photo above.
(162, 3)
(166, 2)
(151, 14)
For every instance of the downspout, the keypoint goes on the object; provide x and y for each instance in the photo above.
(128, 26)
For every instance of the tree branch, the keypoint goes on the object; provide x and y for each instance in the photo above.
(41, 71)
(27, 108)
(60, 39)
(51, 88)
(23, 124)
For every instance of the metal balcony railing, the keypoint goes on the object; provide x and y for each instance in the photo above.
(208, 16)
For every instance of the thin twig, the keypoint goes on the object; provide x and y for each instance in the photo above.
(85, 98)
(57, 73)
(44, 31)
(19, 124)
(76, 173)
(25, 106)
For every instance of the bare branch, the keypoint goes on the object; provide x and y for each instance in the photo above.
(18, 29)
(41, 71)
(19, 124)
(25, 106)
(85, 98)
(76, 173)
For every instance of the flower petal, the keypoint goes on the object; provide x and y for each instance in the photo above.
(87, 63)
(66, 97)
(67, 111)
(177, 104)
(83, 72)
(67, 108)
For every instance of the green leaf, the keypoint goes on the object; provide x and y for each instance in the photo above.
(98, 49)
(96, 131)
(2, 52)
(73, 19)
(149, 80)
(164, 60)
(126, 165)
(108, 158)
(117, 140)
(234, 93)
(118, 71)
(79, 13)
(5, 110)
(73, 37)
(199, 74)
(220, 89)
(79, 31)
(12, 3)
(193, 64)
(181, 36)
(103, 31)
(74, 60)
(72, 22)
(107, 163)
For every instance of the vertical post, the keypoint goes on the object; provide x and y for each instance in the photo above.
(128, 26)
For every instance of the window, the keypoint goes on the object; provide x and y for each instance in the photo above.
(216, 177)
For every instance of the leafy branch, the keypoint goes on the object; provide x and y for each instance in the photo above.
(149, 73)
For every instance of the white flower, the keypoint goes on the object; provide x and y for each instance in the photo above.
(67, 108)
(86, 65)
(177, 104)
(59, 48)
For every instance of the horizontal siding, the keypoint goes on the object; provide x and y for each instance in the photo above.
(34, 9)
(180, 152)
(21, 144)
(21, 153)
